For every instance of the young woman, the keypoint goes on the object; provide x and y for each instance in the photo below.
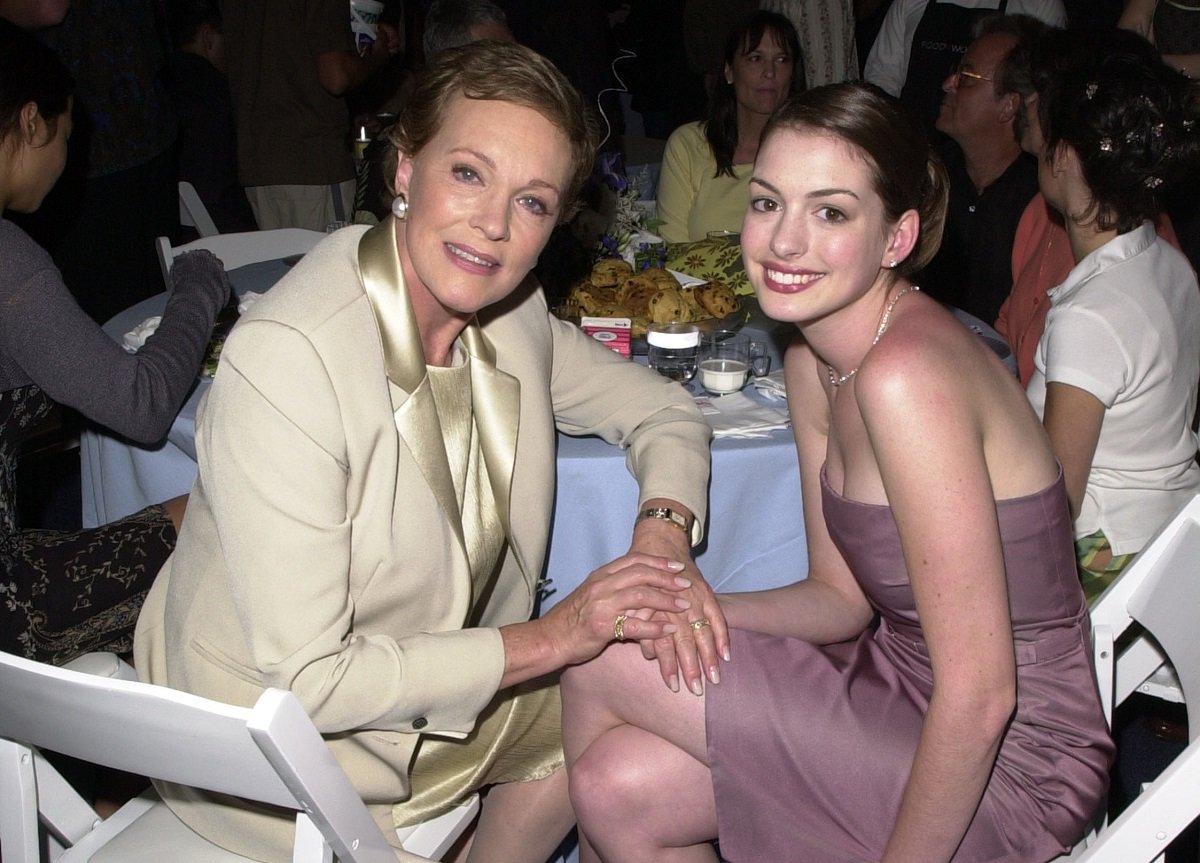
(1116, 368)
(63, 594)
(926, 693)
(706, 164)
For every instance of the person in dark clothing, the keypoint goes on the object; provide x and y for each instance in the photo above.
(200, 94)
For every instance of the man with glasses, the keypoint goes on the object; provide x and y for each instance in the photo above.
(920, 39)
(991, 179)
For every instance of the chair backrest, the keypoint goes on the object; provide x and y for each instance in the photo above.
(1160, 590)
(237, 250)
(192, 211)
(270, 753)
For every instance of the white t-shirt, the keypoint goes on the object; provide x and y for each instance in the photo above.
(887, 64)
(1125, 327)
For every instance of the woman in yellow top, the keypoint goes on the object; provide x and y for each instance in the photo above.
(707, 163)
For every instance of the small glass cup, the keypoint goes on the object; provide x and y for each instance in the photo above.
(673, 349)
(724, 362)
(725, 236)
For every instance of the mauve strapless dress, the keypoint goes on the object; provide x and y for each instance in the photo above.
(811, 746)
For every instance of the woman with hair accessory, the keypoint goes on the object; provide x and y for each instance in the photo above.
(707, 164)
(66, 593)
(926, 693)
(377, 460)
(1116, 368)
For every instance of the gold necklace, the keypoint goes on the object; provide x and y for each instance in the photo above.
(837, 380)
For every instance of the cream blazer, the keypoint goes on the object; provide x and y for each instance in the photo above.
(322, 549)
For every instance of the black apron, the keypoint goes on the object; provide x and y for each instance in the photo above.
(940, 40)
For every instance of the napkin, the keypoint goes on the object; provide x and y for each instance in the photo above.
(738, 415)
(136, 337)
(771, 386)
(247, 300)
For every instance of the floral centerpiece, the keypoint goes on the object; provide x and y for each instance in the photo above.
(630, 233)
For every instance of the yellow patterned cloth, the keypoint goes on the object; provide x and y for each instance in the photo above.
(716, 260)
(1098, 566)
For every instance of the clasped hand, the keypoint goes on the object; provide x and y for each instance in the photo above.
(699, 636)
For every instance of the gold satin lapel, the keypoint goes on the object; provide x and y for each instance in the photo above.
(496, 400)
(412, 399)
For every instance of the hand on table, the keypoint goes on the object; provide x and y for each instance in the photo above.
(700, 636)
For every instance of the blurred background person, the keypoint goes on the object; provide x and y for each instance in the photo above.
(1116, 369)
(200, 94)
(991, 179)
(450, 23)
(706, 166)
(1041, 252)
(63, 593)
(921, 41)
(1173, 27)
(290, 70)
(826, 31)
(119, 190)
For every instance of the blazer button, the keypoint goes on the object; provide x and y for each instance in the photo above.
(420, 722)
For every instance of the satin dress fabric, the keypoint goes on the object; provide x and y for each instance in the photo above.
(811, 746)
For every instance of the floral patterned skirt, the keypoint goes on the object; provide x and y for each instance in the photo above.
(63, 594)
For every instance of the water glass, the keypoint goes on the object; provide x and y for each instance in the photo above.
(673, 350)
(724, 362)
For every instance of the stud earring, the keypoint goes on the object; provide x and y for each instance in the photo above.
(893, 264)
(400, 207)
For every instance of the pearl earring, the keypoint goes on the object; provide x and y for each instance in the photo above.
(400, 207)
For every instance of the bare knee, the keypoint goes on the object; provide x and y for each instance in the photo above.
(607, 783)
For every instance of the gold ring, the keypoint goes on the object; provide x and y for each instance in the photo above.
(619, 627)
(699, 624)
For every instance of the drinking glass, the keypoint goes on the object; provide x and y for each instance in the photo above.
(724, 362)
(673, 349)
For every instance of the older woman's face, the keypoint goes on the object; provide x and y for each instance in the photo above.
(761, 75)
(483, 196)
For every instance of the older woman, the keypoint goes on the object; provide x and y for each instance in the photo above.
(377, 480)
(63, 594)
(707, 164)
(927, 692)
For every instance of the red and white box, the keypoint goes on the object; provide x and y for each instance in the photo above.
(610, 332)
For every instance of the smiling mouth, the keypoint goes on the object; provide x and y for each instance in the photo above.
(800, 279)
(467, 256)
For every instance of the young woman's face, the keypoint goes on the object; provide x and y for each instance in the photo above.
(761, 75)
(483, 196)
(39, 154)
(815, 237)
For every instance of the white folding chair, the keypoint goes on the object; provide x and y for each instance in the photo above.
(270, 753)
(237, 250)
(1160, 590)
(193, 213)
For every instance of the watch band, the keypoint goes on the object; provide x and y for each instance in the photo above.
(678, 519)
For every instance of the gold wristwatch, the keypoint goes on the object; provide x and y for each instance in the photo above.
(678, 519)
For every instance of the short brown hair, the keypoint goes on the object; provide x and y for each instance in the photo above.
(905, 172)
(504, 72)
